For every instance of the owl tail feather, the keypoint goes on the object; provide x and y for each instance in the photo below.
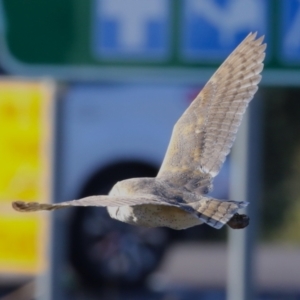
(217, 213)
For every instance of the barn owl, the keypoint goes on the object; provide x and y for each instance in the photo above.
(200, 141)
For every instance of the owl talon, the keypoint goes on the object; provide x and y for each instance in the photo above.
(238, 221)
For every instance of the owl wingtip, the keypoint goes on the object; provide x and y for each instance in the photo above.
(252, 35)
(23, 206)
(19, 206)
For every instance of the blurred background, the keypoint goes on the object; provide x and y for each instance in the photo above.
(89, 93)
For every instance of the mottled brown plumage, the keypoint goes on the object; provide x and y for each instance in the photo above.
(200, 142)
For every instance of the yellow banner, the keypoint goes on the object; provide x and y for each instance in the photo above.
(25, 172)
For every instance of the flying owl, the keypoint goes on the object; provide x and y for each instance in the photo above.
(200, 141)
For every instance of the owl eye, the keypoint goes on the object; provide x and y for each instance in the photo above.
(207, 189)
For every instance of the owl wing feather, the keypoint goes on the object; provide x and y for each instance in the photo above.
(100, 201)
(204, 134)
(213, 212)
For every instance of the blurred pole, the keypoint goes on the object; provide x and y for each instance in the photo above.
(245, 184)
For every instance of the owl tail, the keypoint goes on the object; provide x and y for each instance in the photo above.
(217, 213)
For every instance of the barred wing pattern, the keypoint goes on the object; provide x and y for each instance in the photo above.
(203, 136)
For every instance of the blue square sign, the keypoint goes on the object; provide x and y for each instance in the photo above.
(212, 28)
(290, 31)
(131, 29)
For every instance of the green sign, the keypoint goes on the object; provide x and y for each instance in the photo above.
(113, 39)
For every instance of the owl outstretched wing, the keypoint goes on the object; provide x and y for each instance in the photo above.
(100, 201)
(204, 134)
(213, 212)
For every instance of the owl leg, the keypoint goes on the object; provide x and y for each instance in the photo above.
(238, 221)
